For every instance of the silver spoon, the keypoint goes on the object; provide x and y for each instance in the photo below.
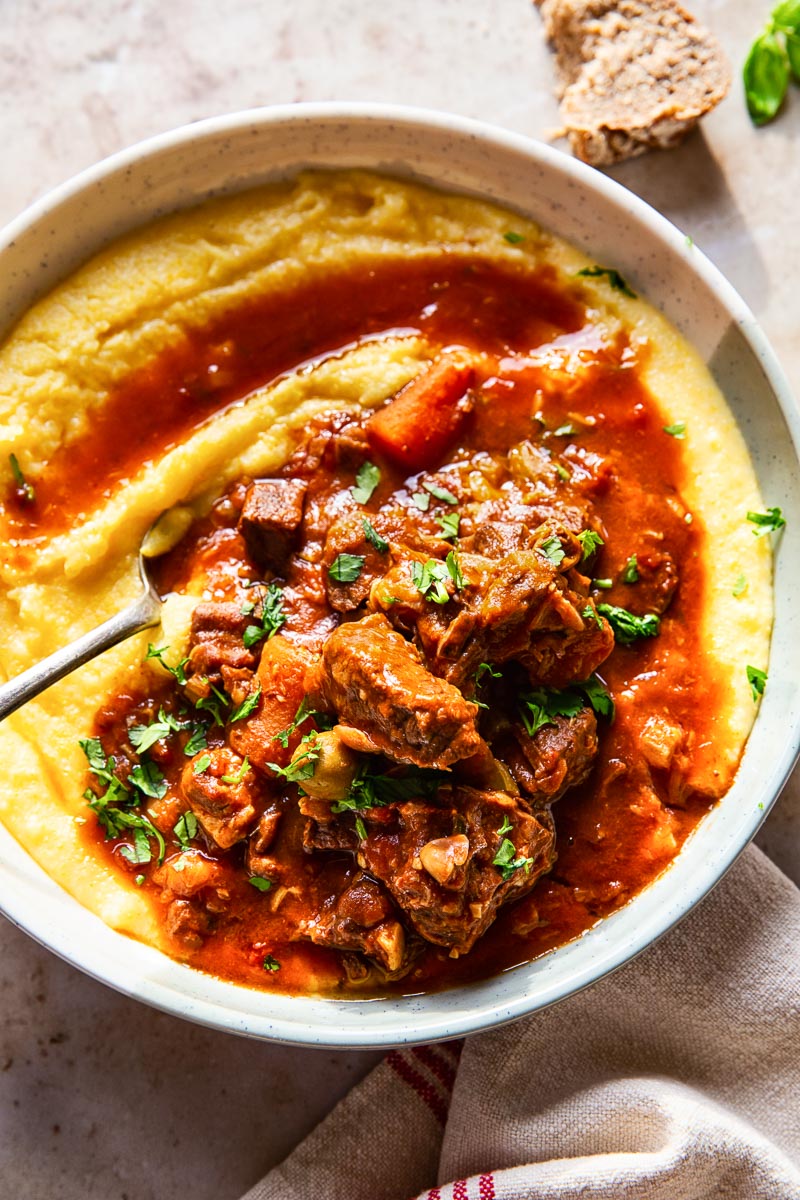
(143, 613)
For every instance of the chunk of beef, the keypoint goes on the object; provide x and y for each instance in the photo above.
(216, 640)
(360, 918)
(557, 757)
(374, 680)
(401, 529)
(333, 440)
(270, 520)
(281, 677)
(225, 799)
(658, 579)
(450, 892)
(259, 862)
(187, 923)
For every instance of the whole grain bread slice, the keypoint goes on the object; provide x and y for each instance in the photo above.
(632, 74)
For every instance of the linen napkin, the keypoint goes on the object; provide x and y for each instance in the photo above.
(677, 1078)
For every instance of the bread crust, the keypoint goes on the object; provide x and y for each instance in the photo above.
(633, 75)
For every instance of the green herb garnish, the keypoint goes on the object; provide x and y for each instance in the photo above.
(303, 765)
(513, 238)
(631, 572)
(202, 764)
(768, 522)
(185, 829)
(564, 430)
(367, 479)
(373, 789)
(538, 708)
(346, 568)
(259, 883)
(422, 501)
(147, 779)
(449, 523)
(271, 620)
(507, 862)
(627, 626)
(552, 550)
(26, 490)
(614, 278)
(773, 59)
(757, 680)
(247, 706)
(739, 587)
(678, 430)
(440, 493)
(240, 774)
(373, 537)
(142, 737)
(590, 541)
(197, 740)
(271, 964)
(178, 672)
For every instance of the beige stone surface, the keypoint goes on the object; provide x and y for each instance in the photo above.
(101, 1097)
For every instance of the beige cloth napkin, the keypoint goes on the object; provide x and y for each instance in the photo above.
(677, 1078)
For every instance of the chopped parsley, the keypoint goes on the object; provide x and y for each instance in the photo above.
(598, 696)
(513, 238)
(177, 672)
(142, 737)
(240, 774)
(627, 626)
(614, 278)
(538, 708)
(564, 430)
(115, 820)
(372, 789)
(247, 706)
(562, 472)
(25, 490)
(367, 479)
(590, 541)
(373, 537)
(271, 620)
(216, 703)
(768, 522)
(757, 680)
(303, 714)
(259, 883)
(303, 764)
(440, 493)
(271, 964)
(486, 668)
(147, 779)
(346, 568)
(590, 613)
(422, 501)
(197, 740)
(361, 829)
(739, 587)
(603, 584)
(678, 430)
(431, 579)
(185, 829)
(552, 550)
(507, 862)
(506, 827)
(631, 572)
(202, 764)
(449, 523)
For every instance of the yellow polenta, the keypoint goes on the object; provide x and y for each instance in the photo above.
(140, 296)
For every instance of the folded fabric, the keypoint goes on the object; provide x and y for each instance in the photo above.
(677, 1078)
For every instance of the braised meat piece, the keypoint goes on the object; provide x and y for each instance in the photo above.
(216, 640)
(271, 518)
(396, 530)
(374, 680)
(657, 581)
(223, 794)
(360, 918)
(333, 440)
(438, 859)
(557, 757)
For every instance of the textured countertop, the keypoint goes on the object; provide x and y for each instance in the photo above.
(100, 1096)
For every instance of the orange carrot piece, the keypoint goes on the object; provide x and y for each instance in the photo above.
(420, 424)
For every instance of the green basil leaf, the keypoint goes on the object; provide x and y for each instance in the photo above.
(766, 78)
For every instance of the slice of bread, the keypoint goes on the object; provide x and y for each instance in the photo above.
(633, 74)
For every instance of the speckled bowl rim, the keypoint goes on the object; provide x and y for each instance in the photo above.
(32, 901)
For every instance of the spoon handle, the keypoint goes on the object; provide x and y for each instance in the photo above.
(141, 614)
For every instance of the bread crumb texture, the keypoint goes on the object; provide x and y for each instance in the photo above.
(633, 75)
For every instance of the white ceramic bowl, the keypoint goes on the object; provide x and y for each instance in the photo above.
(582, 205)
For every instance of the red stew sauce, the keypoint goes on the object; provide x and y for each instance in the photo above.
(553, 415)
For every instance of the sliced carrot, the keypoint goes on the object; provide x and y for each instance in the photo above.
(417, 427)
